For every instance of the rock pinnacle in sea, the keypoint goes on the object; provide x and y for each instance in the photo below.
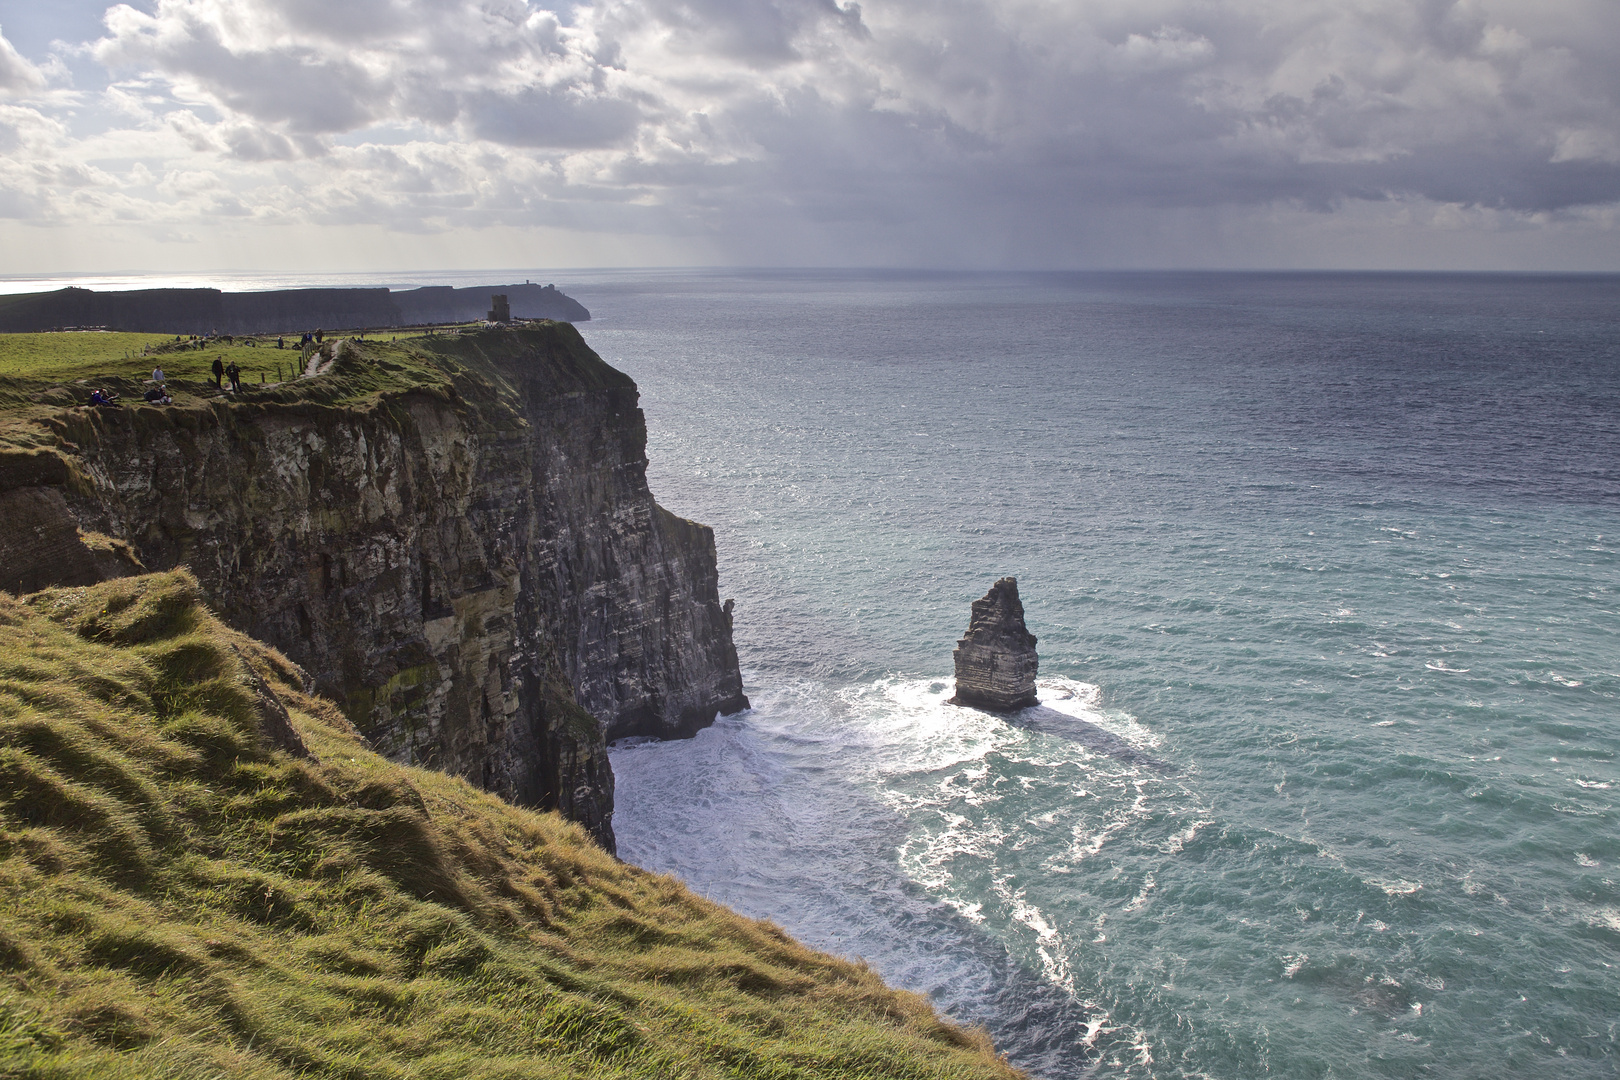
(995, 660)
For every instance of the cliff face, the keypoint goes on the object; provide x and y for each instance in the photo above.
(473, 564)
(996, 662)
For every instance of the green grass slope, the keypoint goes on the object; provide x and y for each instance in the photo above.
(178, 900)
(67, 354)
(112, 356)
(46, 376)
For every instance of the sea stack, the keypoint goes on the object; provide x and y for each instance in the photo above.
(995, 660)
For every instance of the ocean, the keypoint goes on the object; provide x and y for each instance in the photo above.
(1323, 567)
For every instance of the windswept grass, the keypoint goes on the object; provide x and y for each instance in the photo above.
(44, 376)
(58, 355)
(178, 901)
(71, 355)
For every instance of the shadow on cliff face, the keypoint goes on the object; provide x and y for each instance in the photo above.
(452, 534)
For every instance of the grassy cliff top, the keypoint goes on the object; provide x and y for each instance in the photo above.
(43, 375)
(179, 900)
(60, 355)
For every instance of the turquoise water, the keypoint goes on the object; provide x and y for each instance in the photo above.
(1324, 574)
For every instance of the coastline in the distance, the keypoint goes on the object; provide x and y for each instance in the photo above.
(209, 311)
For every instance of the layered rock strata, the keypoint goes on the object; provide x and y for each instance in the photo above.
(995, 660)
(472, 564)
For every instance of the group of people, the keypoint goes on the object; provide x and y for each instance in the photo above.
(158, 394)
(229, 371)
(155, 395)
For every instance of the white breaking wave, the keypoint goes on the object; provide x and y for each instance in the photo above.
(882, 822)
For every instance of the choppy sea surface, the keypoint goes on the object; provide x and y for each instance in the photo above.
(1324, 778)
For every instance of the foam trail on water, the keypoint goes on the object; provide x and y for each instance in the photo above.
(871, 821)
(1274, 517)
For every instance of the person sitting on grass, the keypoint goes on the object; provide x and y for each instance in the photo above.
(104, 397)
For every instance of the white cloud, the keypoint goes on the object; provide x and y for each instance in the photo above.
(17, 75)
(894, 130)
(1587, 144)
(1166, 47)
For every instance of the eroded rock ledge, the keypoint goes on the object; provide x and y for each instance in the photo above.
(996, 661)
(455, 538)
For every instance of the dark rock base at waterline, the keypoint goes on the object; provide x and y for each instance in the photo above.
(996, 661)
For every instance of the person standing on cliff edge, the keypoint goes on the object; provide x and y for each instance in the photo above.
(157, 375)
(219, 370)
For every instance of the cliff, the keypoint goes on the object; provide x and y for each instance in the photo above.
(279, 311)
(453, 536)
(441, 303)
(181, 895)
(995, 660)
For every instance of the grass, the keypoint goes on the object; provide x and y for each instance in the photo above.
(91, 355)
(177, 900)
(59, 355)
(47, 377)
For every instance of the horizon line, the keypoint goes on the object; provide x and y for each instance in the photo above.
(276, 280)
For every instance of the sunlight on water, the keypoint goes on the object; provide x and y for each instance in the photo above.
(1322, 778)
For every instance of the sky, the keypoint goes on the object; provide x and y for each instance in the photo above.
(376, 135)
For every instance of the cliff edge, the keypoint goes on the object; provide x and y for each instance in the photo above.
(452, 535)
(190, 890)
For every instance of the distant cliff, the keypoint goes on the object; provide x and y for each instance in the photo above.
(284, 311)
(454, 536)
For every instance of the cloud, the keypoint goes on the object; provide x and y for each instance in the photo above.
(17, 75)
(324, 69)
(1587, 144)
(533, 116)
(900, 129)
